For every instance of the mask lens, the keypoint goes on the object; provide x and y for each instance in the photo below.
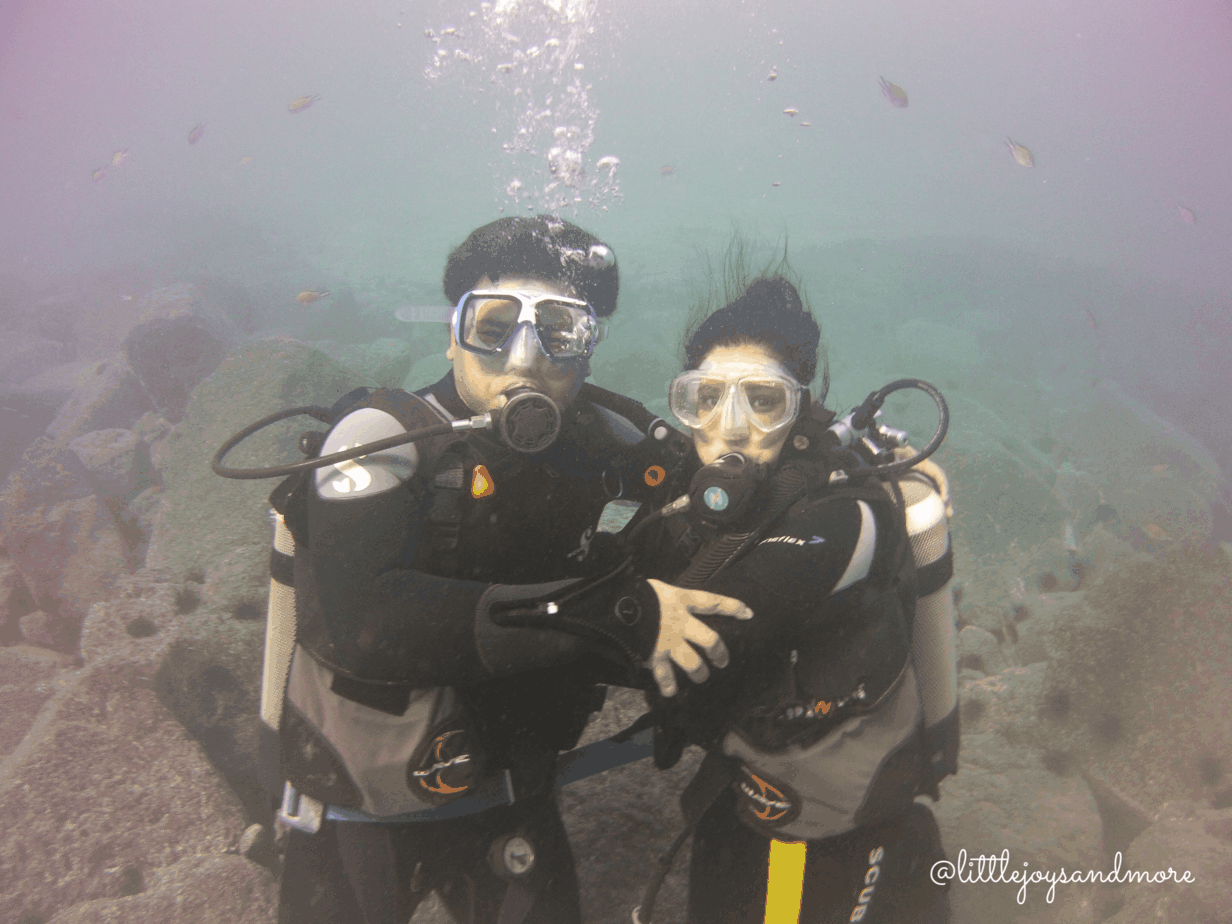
(488, 321)
(694, 397)
(767, 402)
(564, 330)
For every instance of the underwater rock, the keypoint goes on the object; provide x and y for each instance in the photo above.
(1185, 837)
(171, 356)
(1005, 800)
(109, 396)
(60, 535)
(106, 783)
(118, 462)
(23, 355)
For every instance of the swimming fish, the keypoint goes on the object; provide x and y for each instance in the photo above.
(246, 160)
(1186, 214)
(667, 170)
(301, 103)
(1021, 154)
(307, 297)
(98, 174)
(791, 112)
(773, 75)
(197, 131)
(119, 157)
(896, 95)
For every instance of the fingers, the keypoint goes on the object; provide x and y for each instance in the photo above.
(701, 603)
(664, 677)
(689, 661)
(708, 640)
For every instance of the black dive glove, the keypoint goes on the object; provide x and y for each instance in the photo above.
(619, 610)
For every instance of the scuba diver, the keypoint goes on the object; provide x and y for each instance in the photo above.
(839, 704)
(412, 736)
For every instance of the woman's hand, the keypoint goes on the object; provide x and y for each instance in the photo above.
(680, 630)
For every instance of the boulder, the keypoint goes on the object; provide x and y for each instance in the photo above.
(118, 462)
(1006, 799)
(386, 361)
(109, 397)
(63, 540)
(23, 355)
(106, 789)
(201, 517)
(1186, 838)
(171, 356)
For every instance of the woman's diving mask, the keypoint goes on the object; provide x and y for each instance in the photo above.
(737, 395)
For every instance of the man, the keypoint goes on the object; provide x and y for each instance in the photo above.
(408, 688)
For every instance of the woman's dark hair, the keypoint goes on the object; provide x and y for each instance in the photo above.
(543, 246)
(770, 310)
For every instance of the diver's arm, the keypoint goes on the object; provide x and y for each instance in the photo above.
(787, 577)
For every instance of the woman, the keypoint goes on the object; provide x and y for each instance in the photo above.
(816, 733)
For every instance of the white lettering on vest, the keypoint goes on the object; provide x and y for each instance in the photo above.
(875, 856)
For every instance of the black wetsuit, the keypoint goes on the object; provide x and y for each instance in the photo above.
(828, 639)
(392, 580)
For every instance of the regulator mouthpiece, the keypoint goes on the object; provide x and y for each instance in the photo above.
(530, 421)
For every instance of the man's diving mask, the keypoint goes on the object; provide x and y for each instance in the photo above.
(488, 322)
(760, 398)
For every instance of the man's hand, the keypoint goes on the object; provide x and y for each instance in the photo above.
(680, 630)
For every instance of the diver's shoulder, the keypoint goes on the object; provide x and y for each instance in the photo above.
(616, 426)
(384, 413)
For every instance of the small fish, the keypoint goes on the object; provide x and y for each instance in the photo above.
(790, 112)
(197, 131)
(778, 184)
(667, 170)
(895, 94)
(806, 124)
(1091, 323)
(1021, 154)
(1160, 469)
(301, 103)
(1156, 533)
(1186, 214)
(1071, 540)
(98, 174)
(119, 157)
(773, 75)
(246, 160)
(307, 297)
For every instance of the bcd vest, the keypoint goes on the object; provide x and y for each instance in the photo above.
(846, 728)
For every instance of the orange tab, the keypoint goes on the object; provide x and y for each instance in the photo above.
(481, 482)
(823, 706)
(655, 475)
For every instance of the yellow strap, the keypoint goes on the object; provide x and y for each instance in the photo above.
(785, 882)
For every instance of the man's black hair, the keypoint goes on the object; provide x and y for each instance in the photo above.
(544, 246)
(769, 310)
